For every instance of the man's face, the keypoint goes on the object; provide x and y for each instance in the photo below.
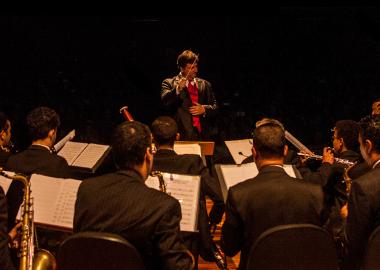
(364, 151)
(6, 135)
(190, 71)
(376, 108)
(337, 142)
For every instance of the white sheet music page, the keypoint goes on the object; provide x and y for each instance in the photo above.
(90, 156)
(71, 150)
(234, 174)
(185, 188)
(58, 146)
(242, 146)
(192, 148)
(6, 182)
(54, 200)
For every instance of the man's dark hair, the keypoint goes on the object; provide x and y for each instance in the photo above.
(269, 139)
(369, 129)
(129, 143)
(348, 130)
(164, 130)
(186, 57)
(4, 125)
(40, 121)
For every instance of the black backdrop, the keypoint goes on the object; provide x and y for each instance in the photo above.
(307, 67)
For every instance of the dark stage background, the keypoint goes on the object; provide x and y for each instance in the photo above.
(307, 67)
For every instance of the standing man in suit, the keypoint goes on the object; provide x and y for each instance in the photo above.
(271, 198)
(364, 199)
(191, 98)
(42, 123)
(124, 205)
(165, 132)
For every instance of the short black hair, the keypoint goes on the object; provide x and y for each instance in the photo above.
(348, 130)
(269, 139)
(369, 129)
(164, 130)
(129, 143)
(40, 121)
(187, 57)
(3, 122)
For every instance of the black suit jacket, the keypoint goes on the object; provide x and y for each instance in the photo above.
(363, 215)
(168, 161)
(35, 159)
(121, 203)
(181, 103)
(5, 259)
(271, 198)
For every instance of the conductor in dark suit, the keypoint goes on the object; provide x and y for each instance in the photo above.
(190, 98)
(364, 200)
(271, 198)
(121, 203)
(165, 132)
(42, 123)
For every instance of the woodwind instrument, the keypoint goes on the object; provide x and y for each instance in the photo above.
(337, 160)
(29, 260)
(127, 116)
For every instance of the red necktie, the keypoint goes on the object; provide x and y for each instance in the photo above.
(193, 91)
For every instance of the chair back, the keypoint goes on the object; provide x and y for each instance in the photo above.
(98, 250)
(295, 247)
(372, 255)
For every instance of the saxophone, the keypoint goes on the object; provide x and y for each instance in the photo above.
(161, 180)
(42, 259)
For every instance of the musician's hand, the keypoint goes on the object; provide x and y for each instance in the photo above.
(181, 85)
(197, 109)
(328, 155)
(13, 235)
(344, 211)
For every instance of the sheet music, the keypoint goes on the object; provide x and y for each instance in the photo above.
(64, 140)
(193, 148)
(90, 156)
(230, 175)
(242, 146)
(6, 182)
(54, 200)
(185, 188)
(71, 151)
(85, 155)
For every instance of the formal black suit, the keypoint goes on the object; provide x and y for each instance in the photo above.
(5, 259)
(4, 155)
(180, 105)
(168, 161)
(271, 198)
(121, 203)
(35, 159)
(363, 215)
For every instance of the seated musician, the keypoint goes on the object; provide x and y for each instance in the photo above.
(124, 205)
(253, 205)
(165, 132)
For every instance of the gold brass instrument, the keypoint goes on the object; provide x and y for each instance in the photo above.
(42, 259)
(348, 180)
(337, 160)
(161, 180)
